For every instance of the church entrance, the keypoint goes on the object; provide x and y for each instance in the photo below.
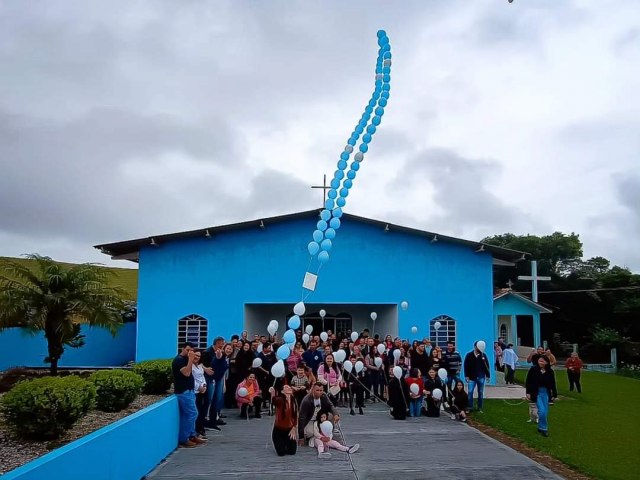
(525, 330)
(342, 322)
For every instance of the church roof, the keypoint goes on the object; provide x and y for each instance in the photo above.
(506, 292)
(129, 249)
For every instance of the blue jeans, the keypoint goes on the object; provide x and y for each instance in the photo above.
(543, 409)
(472, 386)
(188, 415)
(218, 394)
(452, 378)
(415, 404)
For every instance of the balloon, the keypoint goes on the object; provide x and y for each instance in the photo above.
(414, 329)
(348, 366)
(437, 393)
(339, 356)
(323, 256)
(294, 322)
(381, 348)
(309, 329)
(325, 215)
(323, 313)
(437, 325)
(442, 373)
(330, 233)
(404, 305)
(414, 388)
(397, 372)
(335, 222)
(354, 336)
(324, 336)
(329, 203)
(374, 315)
(341, 202)
(337, 212)
(243, 392)
(257, 362)
(299, 308)
(305, 338)
(259, 349)
(278, 368)
(317, 236)
(313, 248)
(481, 345)
(326, 244)
(396, 353)
(272, 328)
(378, 362)
(289, 337)
(322, 225)
(359, 366)
(327, 428)
(283, 352)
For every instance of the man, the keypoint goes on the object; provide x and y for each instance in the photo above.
(534, 355)
(312, 357)
(309, 407)
(420, 360)
(427, 346)
(215, 360)
(476, 371)
(263, 372)
(510, 360)
(184, 390)
(453, 361)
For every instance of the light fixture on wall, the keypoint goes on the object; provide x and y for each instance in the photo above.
(207, 234)
(153, 242)
(434, 239)
(523, 257)
(261, 224)
(480, 249)
(386, 228)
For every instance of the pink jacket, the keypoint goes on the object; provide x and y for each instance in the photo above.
(248, 385)
(293, 361)
(331, 377)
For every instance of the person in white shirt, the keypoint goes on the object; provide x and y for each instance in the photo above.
(200, 387)
(510, 360)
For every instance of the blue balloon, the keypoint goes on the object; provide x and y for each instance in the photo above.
(322, 225)
(386, 55)
(345, 155)
(330, 233)
(329, 203)
(368, 109)
(381, 33)
(283, 351)
(342, 165)
(383, 103)
(325, 215)
(318, 236)
(313, 248)
(344, 192)
(386, 70)
(352, 141)
(363, 148)
(366, 138)
(382, 41)
(386, 87)
(385, 95)
(379, 111)
(294, 322)
(371, 129)
(347, 184)
(386, 78)
(335, 183)
(379, 70)
(339, 174)
(351, 174)
(337, 213)
(332, 193)
(355, 166)
(372, 103)
(323, 256)
(341, 202)
(290, 336)
(335, 223)
(359, 129)
(386, 48)
(376, 120)
(326, 244)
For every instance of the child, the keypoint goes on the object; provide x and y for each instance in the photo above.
(415, 399)
(323, 443)
(300, 384)
(459, 402)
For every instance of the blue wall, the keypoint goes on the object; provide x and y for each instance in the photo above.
(126, 450)
(19, 348)
(215, 277)
(510, 305)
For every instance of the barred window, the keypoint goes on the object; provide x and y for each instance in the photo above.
(503, 331)
(192, 328)
(445, 333)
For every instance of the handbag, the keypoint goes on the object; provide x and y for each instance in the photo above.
(334, 390)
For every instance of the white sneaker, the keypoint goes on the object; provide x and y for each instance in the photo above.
(453, 416)
(354, 448)
(324, 455)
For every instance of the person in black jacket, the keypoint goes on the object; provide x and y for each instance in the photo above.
(476, 371)
(541, 388)
(398, 395)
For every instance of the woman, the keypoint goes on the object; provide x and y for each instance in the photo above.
(541, 388)
(253, 396)
(435, 358)
(497, 351)
(574, 365)
(329, 375)
(432, 383)
(398, 395)
(459, 402)
(200, 387)
(355, 386)
(415, 399)
(388, 343)
(244, 361)
(285, 426)
(374, 377)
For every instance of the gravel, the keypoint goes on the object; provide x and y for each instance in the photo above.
(15, 452)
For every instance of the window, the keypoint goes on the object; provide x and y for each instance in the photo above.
(445, 333)
(503, 332)
(192, 328)
(336, 323)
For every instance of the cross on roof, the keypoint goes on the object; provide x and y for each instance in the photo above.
(510, 284)
(324, 188)
(534, 280)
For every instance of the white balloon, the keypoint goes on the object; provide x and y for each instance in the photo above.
(359, 366)
(278, 369)
(437, 325)
(299, 308)
(378, 362)
(354, 336)
(437, 393)
(327, 428)
(414, 329)
(323, 313)
(243, 392)
(339, 356)
(414, 388)
(442, 373)
(374, 315)
(259, 349)
(324, 336)
(481, 345)
(309, 329)
(305, 338)
(404, 305)
(348, 366)
(273, 327)
(396, 353)
(397, 372)
(381, 348)
(257, 362)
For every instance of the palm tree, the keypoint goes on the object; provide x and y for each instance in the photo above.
(57, 299)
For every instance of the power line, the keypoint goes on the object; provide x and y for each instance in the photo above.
(588, 290)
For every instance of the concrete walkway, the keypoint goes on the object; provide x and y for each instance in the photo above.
(389, 449)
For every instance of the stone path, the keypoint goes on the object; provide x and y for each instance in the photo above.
(417, 448)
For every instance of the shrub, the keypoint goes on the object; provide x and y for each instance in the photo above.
(156, 375)
(45, 407)
(115, 389)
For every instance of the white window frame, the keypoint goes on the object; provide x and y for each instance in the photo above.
(446, 332)
(193, 328)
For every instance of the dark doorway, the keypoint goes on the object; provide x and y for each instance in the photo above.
(525, 330)
(341, 321)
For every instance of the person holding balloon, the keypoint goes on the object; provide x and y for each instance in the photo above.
(398, 394)
(373, 363)
(476, 372)
(330, 377)
(323, 437)
(248, 393)
(355, 383)
(434, 387)
(416, 392)
(285, 426)
(315, 401)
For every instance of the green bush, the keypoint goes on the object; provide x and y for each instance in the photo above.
(115, 389)
(156, 375)
(45, 407)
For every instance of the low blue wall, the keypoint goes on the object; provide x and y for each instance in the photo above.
(126, 450)
(18, 348)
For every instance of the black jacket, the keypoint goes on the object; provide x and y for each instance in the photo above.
(537, 379)
(473, 365)
(307, 408)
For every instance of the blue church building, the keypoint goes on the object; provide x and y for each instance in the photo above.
(222, 280)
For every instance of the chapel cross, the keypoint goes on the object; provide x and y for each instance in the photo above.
(509, 284)
(534, 280)
(324, 188)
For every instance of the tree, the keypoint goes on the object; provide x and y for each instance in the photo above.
(57, 299)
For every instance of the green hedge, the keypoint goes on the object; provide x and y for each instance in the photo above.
(44, 408)
(156, 375)
(115, 389)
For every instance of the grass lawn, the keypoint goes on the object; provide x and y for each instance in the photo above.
(596, 432)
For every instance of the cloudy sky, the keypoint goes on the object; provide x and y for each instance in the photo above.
(124, 119)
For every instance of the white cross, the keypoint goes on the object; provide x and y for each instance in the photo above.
(534, 280)
(324, 188)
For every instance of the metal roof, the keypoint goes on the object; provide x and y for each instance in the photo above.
(129, 249)
(524, 299)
